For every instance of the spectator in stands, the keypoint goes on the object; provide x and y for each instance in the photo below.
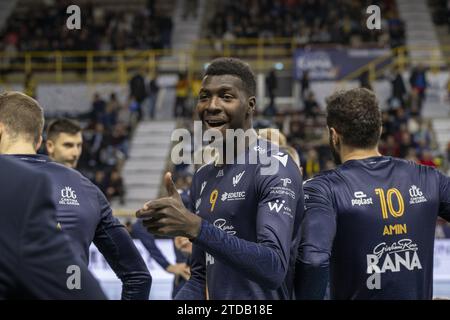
(312, 166)
(135, 111)
(115, 187)
(271, 85)
(120, 138)
(124, 115)
(166, 25)
(98, 108)
(412, 155)
(427, 159)
(405, 144)
(304, 84)
(306, 21)
(311, 107)
(153, 90)
(138, 90)
(181, 91)
(97, 141)
(100, 180)
(364, 80)
(418, 82)
(109, 117)
(398, 87)
(390, 147)
(29, 29)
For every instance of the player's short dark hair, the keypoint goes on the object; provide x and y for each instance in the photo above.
(356, 116)
(235, 67)
(63, 125)
(21, 115)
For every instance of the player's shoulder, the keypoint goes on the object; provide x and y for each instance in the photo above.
(414, 167)
(69, 172)
(11, 165)
(270, 154)
(323, 180)
(67, 175)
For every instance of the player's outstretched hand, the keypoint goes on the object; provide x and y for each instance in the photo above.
(168, 216)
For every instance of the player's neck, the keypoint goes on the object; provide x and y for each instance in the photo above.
(17, 148)
(358, 154)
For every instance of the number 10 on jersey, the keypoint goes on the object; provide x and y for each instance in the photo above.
(387, 203)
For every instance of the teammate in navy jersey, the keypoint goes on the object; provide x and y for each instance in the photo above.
(35, 255)
(370, 221)
(244, 232)
(83, 212)
(64, 142)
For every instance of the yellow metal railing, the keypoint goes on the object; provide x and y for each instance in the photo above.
(118, 66)
(435, 58)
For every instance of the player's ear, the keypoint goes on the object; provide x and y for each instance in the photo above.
(251, 105)
(334, 136)
(49, 145)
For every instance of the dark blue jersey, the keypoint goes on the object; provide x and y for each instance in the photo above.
(248, 240)
(84, 214)
(372, 222)
(36, 260)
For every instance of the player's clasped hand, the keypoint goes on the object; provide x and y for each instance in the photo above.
(168, 216)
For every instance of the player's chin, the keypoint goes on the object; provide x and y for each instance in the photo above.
(220, 131)
(70, 164)
(74, 164)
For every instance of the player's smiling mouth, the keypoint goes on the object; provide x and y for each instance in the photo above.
(215, 123)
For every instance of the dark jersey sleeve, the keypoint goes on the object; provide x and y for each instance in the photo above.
(116, 245)
(444, 196)
(47, 265)
(317, 235)
(265, 261)
(148, 240)
(195, 287)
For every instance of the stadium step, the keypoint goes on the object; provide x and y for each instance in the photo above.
(146, 164)
(186, 31)
(142, 154)
(441, 127)
(420, 32)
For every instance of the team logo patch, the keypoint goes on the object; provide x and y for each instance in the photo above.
(68, 197)
(361, 199)
(237, 178)
(416, 195)
(282, 207)
(286, 181)
(232, 196)
(283, 158)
